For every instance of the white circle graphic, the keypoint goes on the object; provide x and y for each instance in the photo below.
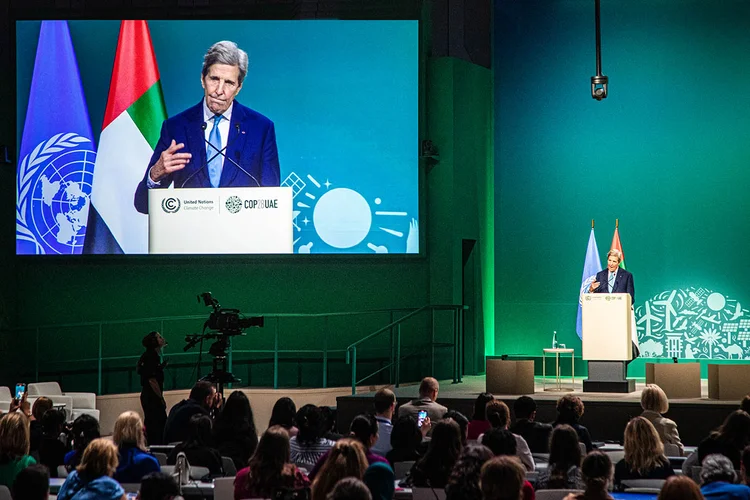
(342, 218)
(716, 301)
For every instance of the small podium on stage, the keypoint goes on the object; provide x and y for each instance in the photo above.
(607, 344)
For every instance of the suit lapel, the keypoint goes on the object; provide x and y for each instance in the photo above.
(196, 146)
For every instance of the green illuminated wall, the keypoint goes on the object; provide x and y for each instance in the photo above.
(667, 153)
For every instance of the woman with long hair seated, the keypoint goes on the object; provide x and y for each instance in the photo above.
(680, 488)
(134, 461)
(563, 470)
(502, 478)
(596, 472)
(85, 430)
(479, 424)
(14, 447)
(347, 459)
(234, 430)
(569, 411)
(463, 483)
(269, 469)
(644, 454)
(92, 479)
(434, 468)
(655, 403)
(282, 414)
(406, 441)
(309, 444)
(728, 440)
(198, 448)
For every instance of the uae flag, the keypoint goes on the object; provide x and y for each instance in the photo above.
(616, 245)
(132, 122)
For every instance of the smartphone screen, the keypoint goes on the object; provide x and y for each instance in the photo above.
(420, 417)
(20, 390)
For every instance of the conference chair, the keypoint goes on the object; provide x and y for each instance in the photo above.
(554, 494)
(196, 473)
(76, 403)
(131, 487)
(5, 399)
(672, 450)
(224, 488)
(5, 493)
(643, 485)
(428, 494)
(400, 469)
(161, 457)
(227, 464)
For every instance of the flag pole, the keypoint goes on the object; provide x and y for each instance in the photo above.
(592, 223)
(617, 223)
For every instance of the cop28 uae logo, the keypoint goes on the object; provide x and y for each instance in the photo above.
(170, 205)
(233, 204)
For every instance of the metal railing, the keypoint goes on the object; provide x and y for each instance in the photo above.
(325, 352)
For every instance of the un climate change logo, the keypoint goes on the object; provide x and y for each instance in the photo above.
(233, 204)
(170, 205)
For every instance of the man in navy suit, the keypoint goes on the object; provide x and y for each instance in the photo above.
(614, 279)
(187, 153)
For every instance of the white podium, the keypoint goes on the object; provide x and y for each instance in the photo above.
(607, 341)
(249, 220)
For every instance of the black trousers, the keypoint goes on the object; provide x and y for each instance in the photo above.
(155, 416)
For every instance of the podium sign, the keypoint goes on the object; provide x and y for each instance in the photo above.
(249, 220)
(606, 325)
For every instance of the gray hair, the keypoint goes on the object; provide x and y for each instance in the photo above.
(717, 468)
(614, 252)
(226, 52)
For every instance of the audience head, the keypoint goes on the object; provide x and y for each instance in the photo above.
(14, 436)
(32, 483)
(429, 388)
(52, 423)
(564, 450)
(446, 440)
(498, 414)
(480, 406)
(462, 421)
(99, 459)
(328, 417)
(569, 409)
(347, 459)
(364, 428)
(199, 430)
(350, 488)
(380, 480)
(385, 400)
(644, 450)
(85, 430)
(204, 393)
(40, 406)
(653, 398)
(596, 471)
(405, 433)
(717, 468)
(500, 441)
(502, 478)
(270, 459)
(745, 404)
(129, 431)
(680, 488)
(236, 415)
(745, 464)
(283, 413)
(736, 429)
(525, 407)
(158, 486)
(464, 479)
(309, 420)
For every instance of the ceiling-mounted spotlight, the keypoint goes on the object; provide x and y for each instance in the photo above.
(599, 83)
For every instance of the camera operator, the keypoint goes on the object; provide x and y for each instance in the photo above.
(203, 400)
(151, 370)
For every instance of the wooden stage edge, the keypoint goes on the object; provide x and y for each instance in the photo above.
(605, 414)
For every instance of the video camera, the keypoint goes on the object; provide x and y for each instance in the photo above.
(227, 321)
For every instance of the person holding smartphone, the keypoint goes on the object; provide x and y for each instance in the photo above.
(428, 392)
(151, 370)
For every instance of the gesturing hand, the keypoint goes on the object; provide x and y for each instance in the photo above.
(169, 161)
(594, 286)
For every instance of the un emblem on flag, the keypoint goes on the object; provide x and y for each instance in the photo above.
(53, 195)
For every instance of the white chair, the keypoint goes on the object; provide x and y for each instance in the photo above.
(62, 472)
(228, 465)
(196, 473)
(5, 493)
(643, 485)
(400, 469)
(554, 494)
(427, 494)
(5, 399)
(77, 403)
(224, 488)
(582, 446)
(615, 455)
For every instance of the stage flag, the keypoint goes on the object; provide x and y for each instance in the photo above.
(132, 121)
(591, 266)
(616, 245)
(56, 159)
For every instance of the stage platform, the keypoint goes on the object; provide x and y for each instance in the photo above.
(605, 414)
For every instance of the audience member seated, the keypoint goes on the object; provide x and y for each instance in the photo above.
(717, 478)
(428, 393)
(434, 468)
(134, 461)
(350, 488)
(502, 443)
(309, 444)
(202, 400)
(644, 454)
(38, 409)
(729, 439)
(744, 465)
(283, 413)
(92, 479)
(463, 483)
(329, 423)
(380, 480)
(745, 404)
(498, 414)
(563, 470)
(347, 459)
(85, 430)
(596, 471)
(269, 469)
(234, 431)
(197, 447)
(680, 488)
(385, 405)
(462, 421)
(158, 486)
(654, 403)
(479, 423)
(406, 440)
(502, 478)
(14, 446)
(569, 411)
(535, 433)
(52, 450)
(32, 483)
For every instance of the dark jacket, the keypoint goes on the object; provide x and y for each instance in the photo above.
(176, 428)
(536, 434)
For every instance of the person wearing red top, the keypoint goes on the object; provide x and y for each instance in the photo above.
(479, 424)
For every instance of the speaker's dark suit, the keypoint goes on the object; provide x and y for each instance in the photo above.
(623, 283)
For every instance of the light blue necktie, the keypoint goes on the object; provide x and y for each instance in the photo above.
(611, 281)
(217, 163)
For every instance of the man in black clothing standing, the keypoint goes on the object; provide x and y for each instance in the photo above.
(203, 398)
(535, 433)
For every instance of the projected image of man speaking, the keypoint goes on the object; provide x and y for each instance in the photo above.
(218, 142)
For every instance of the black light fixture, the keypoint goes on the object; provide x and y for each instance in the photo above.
(599, 83)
